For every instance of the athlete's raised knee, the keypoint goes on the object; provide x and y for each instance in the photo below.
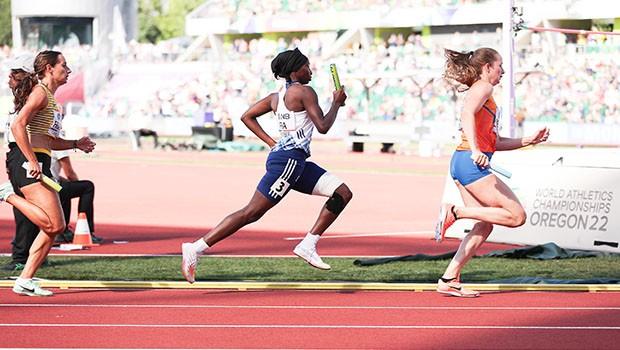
(518, 218)
(90, 186)
(345, 192)
(339, 199)
(52, 228)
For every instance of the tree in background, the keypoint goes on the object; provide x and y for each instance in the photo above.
(6, 35)
(163, 19)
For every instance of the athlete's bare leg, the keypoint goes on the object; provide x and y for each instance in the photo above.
(326, 217)
(253, 211)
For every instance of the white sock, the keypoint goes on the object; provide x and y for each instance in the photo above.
(200, 245)
(310, 240)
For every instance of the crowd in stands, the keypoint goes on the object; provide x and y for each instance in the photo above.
(577, 83)
(397, 78)
(227, 87)
(78, 56)
(240, 8)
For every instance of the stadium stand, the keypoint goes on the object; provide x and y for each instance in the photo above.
(392, 73)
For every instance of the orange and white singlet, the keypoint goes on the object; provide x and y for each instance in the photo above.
(486, 123)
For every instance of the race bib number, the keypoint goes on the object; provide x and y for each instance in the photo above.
(279, 188)
(56, 126)
(497, 127)
(286, 121)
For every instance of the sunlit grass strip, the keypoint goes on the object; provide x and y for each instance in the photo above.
(294, 270)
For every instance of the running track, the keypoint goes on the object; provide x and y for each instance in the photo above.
(309, 320)
(155, 200)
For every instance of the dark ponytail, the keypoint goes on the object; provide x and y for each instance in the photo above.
(25, 84)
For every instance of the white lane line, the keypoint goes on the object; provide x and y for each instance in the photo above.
(419, 234)
(297, 326)
(316, 307)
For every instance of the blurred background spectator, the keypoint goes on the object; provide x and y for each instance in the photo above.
(392, 74)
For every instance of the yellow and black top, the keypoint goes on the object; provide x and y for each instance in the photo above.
(47, 121)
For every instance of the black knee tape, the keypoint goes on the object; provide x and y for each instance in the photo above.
(335, 203)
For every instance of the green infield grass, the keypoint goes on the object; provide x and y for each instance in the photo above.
(292, 269)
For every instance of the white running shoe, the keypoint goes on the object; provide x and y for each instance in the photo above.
(190, 261)
(311, 257)
(6, 189)
(455, 289)
(446, 219)
(31, 288)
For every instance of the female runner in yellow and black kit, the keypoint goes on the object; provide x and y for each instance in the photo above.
(36, 130)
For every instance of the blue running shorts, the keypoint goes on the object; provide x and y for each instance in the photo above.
(464, 170)
(286, 170)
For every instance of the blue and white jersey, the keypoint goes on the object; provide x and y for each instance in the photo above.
(295, 128)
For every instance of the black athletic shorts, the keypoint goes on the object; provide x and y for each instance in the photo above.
(17, 174)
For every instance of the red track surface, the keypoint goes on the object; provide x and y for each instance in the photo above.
(309, 320)
(167, 240)
(156, 200)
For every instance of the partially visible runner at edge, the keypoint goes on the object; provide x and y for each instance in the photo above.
(36, 130)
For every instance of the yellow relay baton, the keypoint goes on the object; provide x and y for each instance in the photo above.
(334, 71)
(46, 179)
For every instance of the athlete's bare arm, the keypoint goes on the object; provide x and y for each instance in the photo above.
(267, 104)
(304, 98)
(508, 143)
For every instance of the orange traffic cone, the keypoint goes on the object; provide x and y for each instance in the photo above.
(81, 235)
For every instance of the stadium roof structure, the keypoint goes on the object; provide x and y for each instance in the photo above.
(200, 21)
(208, 23)
(206, 19)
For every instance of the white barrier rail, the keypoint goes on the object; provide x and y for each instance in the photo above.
(576, 207)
